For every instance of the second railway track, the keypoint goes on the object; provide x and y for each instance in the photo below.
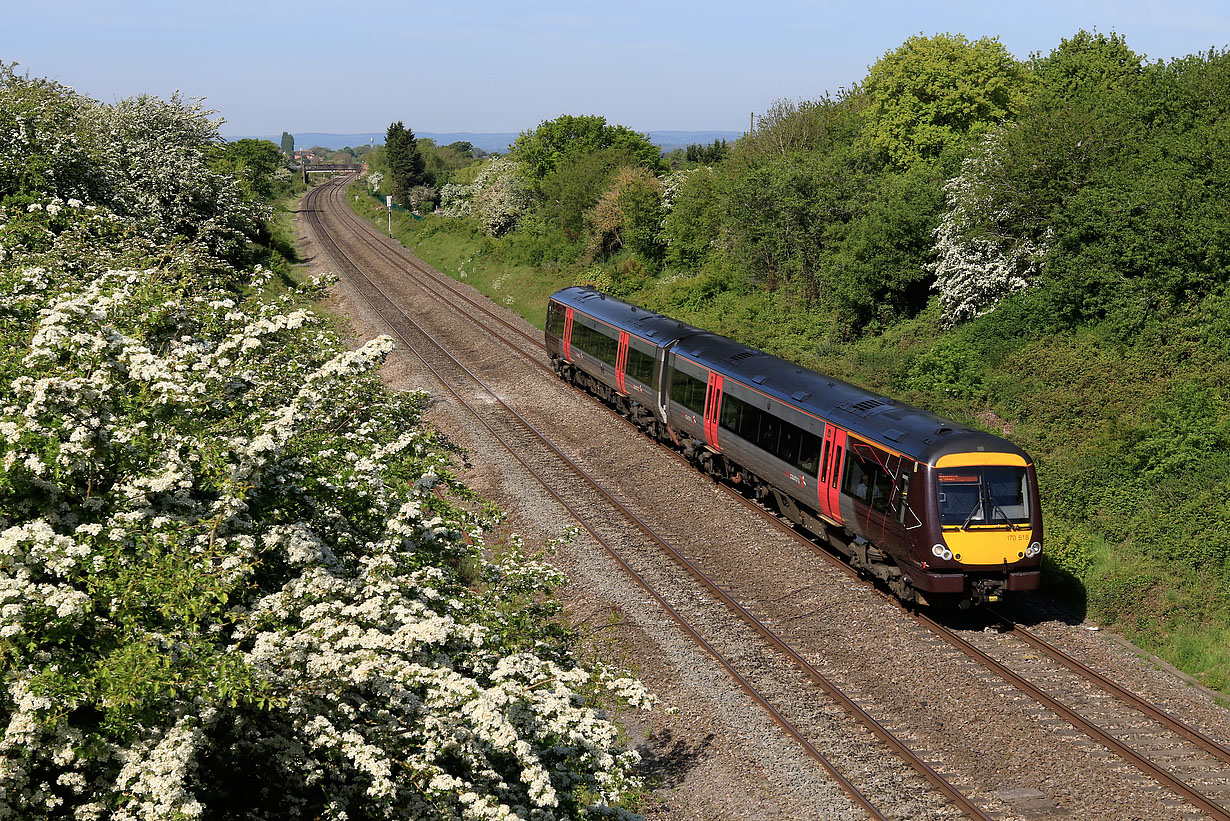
(997, 791)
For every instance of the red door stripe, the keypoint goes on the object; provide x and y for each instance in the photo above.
(568, 334)
(621, 363)
(713, 409)
(834, 483)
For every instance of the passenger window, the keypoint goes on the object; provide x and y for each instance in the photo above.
(770, 427)
(809, 453)
(688, 391)
(732, 414)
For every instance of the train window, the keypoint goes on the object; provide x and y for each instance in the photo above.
(741, 418)
(983, 495)
(788, 443)
(770, 429)
(809, 453)
(903, 504)
(595, 343)
(555, 320)
(867, 482)
(640, 366)
(734, 410)
(882, 490)
(688, 391)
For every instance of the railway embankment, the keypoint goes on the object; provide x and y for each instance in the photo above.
(1128, 433)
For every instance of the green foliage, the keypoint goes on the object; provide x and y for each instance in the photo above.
(933, 94)
(707, 154)
(441, 163)
(407, 168)
(574, 186)
(1185, 428)
(552, 141)
(1085, 66)
(693, 223)
(255, 163)
(288, 143)
(875, 266)
(806, 125)
(43, 139)
(628, 215)
(952, 368)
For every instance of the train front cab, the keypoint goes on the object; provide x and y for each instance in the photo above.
(982, 535)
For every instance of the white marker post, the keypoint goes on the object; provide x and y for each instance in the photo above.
(388, 202)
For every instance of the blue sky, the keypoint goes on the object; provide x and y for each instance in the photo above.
(485, 66)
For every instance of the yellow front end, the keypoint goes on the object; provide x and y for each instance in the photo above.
(985, 507)
(987, 545)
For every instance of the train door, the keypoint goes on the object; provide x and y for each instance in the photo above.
(830, 472)
(713, 409)
(621, 364)
(567, 343)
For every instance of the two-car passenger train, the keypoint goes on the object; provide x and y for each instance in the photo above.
(941, 513)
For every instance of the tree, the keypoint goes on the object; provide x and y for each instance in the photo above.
(288, 143)
(253, 162)
(575, 185)
(693, 222)
(43, 140)
(935, 93)
(406, 166)
(555, 140)
(998, 229)
(1088, 64)
(629, 214)
(707, 154)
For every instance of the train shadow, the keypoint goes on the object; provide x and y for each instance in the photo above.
(1025, 609)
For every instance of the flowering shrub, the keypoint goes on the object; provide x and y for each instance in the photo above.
(980, 258)
(499, 196)
(455, 200)
(237, 577)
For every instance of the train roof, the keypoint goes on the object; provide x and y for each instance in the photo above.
(659, 329)
(916, 433)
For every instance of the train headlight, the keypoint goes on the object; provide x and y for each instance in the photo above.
(941, 552)
(1033, 550)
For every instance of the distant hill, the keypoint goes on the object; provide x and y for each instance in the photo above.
(489, 142)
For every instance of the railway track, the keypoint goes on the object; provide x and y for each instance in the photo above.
(1193, 766)
(558, 476)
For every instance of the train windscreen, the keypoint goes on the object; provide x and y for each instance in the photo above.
(988, 495)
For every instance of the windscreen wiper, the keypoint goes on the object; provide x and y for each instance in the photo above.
(969, 518)
(995, 506)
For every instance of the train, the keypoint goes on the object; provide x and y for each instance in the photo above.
(943, 514)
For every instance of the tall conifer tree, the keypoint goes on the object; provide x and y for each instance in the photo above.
(406, 165)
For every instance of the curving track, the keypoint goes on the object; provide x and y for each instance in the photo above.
(1195, 766)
